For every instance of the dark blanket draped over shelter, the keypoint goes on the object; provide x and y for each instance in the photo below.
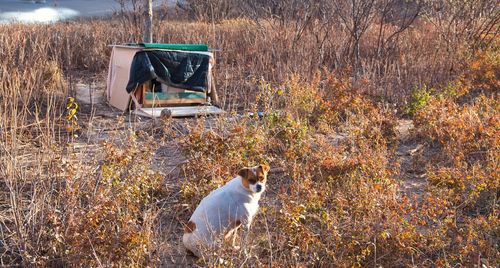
(174, 68)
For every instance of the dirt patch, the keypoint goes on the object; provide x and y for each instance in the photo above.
(413, 179)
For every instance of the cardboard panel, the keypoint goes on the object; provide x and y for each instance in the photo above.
(119, 70)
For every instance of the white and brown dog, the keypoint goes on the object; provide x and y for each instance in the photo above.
(225, 209)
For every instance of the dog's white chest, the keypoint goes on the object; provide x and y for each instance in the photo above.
(252, 208)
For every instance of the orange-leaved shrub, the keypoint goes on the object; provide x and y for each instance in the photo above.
(461, 125)
(332, 198)
(103, 215)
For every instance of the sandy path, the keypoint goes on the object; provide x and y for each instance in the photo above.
(412, 178)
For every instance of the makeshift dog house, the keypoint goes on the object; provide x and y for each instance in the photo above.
(150, 78)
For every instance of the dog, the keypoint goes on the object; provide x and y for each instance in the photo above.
(226, 209)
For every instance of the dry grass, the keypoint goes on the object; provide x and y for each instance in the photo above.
(335, 193)
(250, 51)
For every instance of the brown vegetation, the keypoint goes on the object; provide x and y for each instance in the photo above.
(329, 133)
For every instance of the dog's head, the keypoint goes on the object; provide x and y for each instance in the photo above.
(254, 178)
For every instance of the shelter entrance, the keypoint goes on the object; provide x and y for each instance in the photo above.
(150, 78)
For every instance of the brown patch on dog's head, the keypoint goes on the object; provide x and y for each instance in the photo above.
(262, 171)
(254, 175)
(243, 173)
(190, 227)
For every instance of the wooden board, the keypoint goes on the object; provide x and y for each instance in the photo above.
(157, 99)
(184, 111)
(162, 103)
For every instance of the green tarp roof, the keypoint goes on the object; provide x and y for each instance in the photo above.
(187, 47)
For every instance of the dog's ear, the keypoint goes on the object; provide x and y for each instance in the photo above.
(243, 172)
(265, 168)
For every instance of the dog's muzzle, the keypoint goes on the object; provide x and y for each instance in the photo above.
(258, 188)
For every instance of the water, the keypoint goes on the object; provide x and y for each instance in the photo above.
(47, 11)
